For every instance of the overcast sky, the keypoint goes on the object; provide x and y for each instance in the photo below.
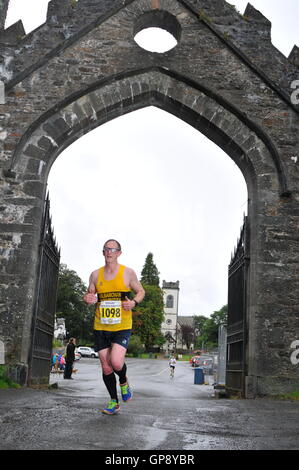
(156, 185)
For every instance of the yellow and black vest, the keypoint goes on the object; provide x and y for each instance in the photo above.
(109, 315)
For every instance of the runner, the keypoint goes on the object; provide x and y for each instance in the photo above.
(110, 287)
(172, 364)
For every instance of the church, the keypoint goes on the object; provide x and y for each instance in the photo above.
(172, 325)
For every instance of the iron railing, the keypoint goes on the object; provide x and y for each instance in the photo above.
(45, 304)
(236, 317)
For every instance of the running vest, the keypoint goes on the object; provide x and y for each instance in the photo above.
(109, 315)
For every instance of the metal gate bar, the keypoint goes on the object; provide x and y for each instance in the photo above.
(236, 318)
(44, 311)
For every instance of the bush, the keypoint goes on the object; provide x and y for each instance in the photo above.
(135, 346)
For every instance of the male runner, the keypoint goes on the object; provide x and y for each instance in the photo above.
(110, 287)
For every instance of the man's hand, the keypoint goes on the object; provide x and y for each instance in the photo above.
(90, 298)
(128, 304)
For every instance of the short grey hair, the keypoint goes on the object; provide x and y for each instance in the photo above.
(112, 240)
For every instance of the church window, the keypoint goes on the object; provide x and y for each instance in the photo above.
(169, 301)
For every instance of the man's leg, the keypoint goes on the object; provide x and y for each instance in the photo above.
(117, 356)
(110, 382)
(122, 374)
(117, 359)
(67, 370)
(108, 373)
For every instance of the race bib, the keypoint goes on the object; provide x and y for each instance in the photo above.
(110, 311)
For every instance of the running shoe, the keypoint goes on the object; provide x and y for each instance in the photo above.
(112, 408)
(126, 392)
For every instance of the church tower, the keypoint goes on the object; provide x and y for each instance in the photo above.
(171, 306)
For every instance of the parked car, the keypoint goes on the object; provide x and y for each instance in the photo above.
(77, 356)
(207, 362)
(201, 361)
(86, 351)
(195, 361)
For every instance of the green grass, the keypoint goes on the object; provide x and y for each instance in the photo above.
(5, 381)
(290, 396)
(186, 357)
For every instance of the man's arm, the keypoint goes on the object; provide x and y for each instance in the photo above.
(90, 297)
(136, 286)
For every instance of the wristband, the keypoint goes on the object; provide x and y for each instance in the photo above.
(136, 303)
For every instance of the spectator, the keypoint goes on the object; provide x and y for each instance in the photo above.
(69, 358)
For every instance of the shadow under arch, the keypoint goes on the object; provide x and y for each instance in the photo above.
(228, 127)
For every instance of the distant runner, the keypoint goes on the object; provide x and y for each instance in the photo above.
(110, 287)
(172, 364)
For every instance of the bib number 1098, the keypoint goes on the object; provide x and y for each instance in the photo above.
(110, 312)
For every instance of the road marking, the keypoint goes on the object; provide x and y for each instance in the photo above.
(163, 370)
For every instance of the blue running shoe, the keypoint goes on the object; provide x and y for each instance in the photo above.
(112, 408)
(126, 392)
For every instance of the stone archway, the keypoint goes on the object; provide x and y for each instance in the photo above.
(250, 130)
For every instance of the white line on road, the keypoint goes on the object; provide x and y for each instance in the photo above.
(163, 370)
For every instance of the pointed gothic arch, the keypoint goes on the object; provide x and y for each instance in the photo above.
(251, 150)
(244, 141)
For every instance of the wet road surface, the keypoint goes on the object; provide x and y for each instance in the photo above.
(165, 414)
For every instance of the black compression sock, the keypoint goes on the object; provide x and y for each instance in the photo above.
(110, 382)
(122, 374)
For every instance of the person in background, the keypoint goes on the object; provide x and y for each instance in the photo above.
(62, 362)
(172, 364)
(54, 358)
(69, 359)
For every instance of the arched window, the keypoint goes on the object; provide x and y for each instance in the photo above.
(169, 301)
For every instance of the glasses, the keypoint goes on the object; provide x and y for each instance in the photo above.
(112, 250)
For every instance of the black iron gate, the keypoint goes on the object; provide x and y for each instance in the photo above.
(236, 318)
(44, 312)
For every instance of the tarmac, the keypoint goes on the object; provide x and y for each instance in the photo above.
(165, 416)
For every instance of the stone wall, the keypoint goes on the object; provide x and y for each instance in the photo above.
(225, 78)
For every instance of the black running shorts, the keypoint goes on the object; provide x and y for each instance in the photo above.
(104, 339)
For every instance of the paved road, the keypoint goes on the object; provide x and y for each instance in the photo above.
(164, 414)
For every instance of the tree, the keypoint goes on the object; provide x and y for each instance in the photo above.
(135, 346)
(187, 334)
(220, 316)
(199, 321)
(70, 305)
(149, 317)
(150, 273)
(209, 328)
(150, 314)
